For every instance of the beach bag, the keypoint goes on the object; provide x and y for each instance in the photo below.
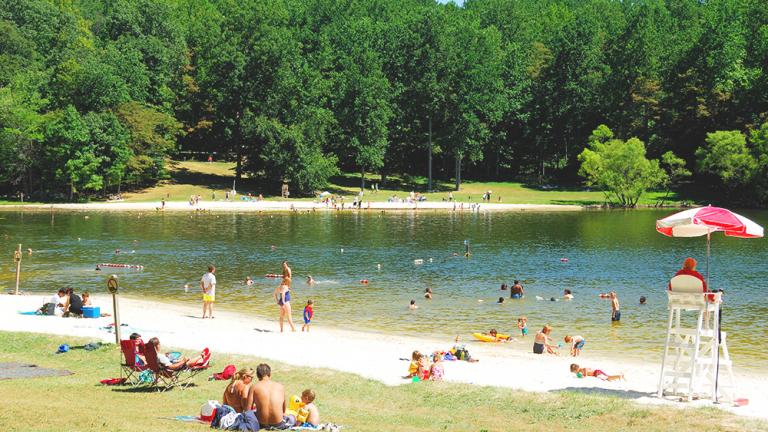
(146, 377)
(208, 410)
(462, 353)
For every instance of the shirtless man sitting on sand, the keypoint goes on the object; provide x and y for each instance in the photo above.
(268, 399)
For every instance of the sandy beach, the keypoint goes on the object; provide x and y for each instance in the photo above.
(259, 206)
(375, 356)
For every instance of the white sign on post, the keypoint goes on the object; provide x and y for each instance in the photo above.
(112, 287)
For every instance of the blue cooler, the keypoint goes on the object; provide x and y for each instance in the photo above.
(91, 311)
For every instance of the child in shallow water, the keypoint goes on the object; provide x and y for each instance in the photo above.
(522, 324)
(597, 373)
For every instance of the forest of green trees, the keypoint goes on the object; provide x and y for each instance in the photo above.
(97, 95)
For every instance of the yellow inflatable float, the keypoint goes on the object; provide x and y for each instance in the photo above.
(488, 338)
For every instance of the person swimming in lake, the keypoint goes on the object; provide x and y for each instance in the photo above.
(501, 300)
(642, 300)
(516, 291)
(248, 281)
(413, 305)
(310, 280)
(494, 334)
(428, 293)
(567, 295)
(282, 296)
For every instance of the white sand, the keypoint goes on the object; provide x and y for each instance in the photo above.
(243, 206)
(371, 355)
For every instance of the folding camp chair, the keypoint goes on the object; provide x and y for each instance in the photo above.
(163, 379)
(129, 366)
(188, 374)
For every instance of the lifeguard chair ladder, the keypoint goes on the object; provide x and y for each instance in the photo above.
(689, 367)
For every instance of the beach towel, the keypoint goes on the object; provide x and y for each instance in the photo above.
(113, 381)
(29, 313)
(188, 419)
(225, 374)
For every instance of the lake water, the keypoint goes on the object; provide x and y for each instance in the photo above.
(606, 250)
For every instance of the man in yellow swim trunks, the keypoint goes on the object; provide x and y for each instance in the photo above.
(208, 285)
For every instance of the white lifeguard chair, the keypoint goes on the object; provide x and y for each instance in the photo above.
(691, 366)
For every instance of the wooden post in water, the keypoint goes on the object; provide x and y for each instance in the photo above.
(17, 260)
(112, 287)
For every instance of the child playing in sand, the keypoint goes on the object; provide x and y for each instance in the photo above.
(577, 343)
(86, 298)
(597, 373)
(424, 367)
(308, 312)
(436, 372)
(542, 341)
(312, 413)
(522, 324)
(413, 367)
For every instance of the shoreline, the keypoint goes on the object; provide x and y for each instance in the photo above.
(371, 355)
(287, 206)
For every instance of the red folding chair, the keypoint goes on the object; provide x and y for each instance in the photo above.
(129, 368)
(163, 379)
(192, 371)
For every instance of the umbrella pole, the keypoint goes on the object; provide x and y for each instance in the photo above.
(708, 235)
(719, 320)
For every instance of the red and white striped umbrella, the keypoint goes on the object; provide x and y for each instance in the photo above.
(705, 220)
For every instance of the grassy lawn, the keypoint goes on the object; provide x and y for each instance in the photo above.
(204, 178)
(78, 402)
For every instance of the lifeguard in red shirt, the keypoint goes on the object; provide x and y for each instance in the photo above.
(689, 268)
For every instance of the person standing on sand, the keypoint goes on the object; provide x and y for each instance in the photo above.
(208, 285)
(282, 296)
(267, 398)
(615, 312)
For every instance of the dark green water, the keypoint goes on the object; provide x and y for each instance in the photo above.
(618, 251)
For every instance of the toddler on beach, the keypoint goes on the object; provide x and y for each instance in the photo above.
(577, 343)
(413, 367)
(522, 324)
(308, 414)
(597, 373)
(436, 371)
(308, 312)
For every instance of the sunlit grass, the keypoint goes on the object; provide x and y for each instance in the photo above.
(78, 402)
(206, 179)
